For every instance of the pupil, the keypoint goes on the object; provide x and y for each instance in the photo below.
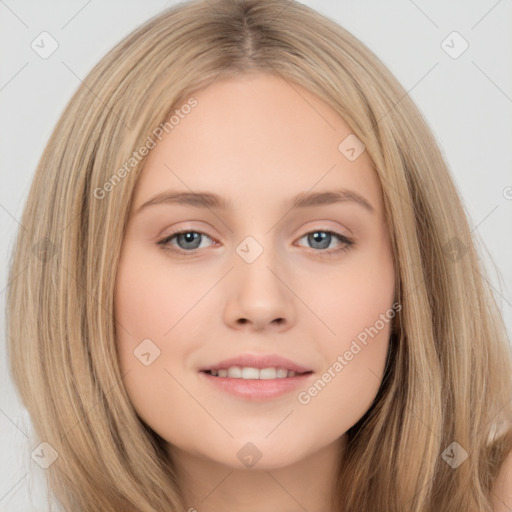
(189, 237)
(319, 237)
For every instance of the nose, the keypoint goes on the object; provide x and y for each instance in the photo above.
(259, 296)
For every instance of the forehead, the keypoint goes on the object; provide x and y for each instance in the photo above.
(256, 136)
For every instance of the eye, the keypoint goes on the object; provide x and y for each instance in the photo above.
(189, 241)
(321, 239)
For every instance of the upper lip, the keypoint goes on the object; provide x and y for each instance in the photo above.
(258, 361)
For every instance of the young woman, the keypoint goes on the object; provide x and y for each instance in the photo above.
(246, 282)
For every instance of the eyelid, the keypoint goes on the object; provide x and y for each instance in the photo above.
(165, 245)
(345, 242)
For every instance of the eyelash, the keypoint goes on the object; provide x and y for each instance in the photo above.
(346, 243)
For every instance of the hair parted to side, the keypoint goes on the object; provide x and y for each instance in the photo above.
(449, 372)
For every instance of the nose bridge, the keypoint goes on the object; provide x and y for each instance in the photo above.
(259, 241)
(254, 248)
(258, 261)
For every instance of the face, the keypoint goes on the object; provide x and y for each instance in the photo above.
(259, 276)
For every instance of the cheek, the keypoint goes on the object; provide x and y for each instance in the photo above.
(350, 298)
(143, 310)
(156, 307)
(147, 306)
(359, 312)
(151, 298)
(143, 301)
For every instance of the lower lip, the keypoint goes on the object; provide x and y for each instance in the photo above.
(257, 389)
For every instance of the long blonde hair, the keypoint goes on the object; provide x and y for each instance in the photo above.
(448, 378)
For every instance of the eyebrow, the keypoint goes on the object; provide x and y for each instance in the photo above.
(213, 201)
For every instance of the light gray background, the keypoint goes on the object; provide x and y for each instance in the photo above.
(466, 100)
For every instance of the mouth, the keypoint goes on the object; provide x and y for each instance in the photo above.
(256, 377)
(256, 384)
(251, 373)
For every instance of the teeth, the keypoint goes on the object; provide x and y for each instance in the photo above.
(235, 372)
(249, 373)
(270, 373)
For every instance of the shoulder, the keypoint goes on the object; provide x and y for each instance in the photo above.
(501, 495)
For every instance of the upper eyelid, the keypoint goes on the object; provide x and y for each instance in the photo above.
(342, 236)
(324, 229)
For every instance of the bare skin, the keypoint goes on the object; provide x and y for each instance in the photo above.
(257, 142)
